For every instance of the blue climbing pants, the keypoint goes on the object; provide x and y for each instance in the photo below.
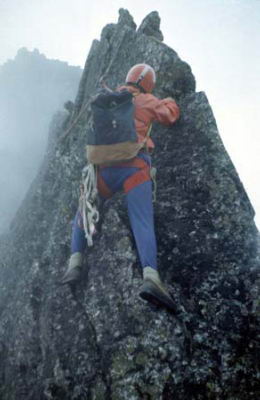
(140, 211)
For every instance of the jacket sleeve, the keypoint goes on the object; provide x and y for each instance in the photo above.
(166, 111)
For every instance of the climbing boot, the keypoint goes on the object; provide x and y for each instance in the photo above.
(153, 290)
(74, 271)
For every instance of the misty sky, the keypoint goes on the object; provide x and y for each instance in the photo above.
(220, 39)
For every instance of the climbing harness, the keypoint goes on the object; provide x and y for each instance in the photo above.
(88, 198)
(144, 173)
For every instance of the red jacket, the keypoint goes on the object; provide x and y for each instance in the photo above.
(149, 108)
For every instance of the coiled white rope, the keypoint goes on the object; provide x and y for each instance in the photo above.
(88, 198)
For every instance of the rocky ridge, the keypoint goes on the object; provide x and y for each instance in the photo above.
(103, 342)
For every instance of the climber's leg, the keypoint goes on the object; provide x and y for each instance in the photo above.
(110, 180)
(140, 211)
(78, 239)
(78, 246)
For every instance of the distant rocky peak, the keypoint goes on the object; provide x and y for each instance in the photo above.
(125, 18)
(24, 53)
(150, 26)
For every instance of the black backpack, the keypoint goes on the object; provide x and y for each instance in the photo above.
(113, 135)
(112, 118)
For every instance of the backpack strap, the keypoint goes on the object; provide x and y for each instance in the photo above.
(148, 134)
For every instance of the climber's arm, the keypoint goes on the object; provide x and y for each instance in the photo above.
(166, 111)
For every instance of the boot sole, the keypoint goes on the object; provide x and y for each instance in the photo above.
(73, 277)
(150, 293)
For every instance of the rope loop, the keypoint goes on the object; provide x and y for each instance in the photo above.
(88, 198)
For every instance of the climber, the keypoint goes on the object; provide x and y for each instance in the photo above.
(134, 178)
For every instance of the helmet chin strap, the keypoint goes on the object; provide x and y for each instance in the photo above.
(137, 86)
(142, 75)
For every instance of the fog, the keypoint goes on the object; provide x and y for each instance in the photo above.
(219, 39)
(32, 89)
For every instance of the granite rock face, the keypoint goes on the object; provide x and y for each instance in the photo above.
(103, 342)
